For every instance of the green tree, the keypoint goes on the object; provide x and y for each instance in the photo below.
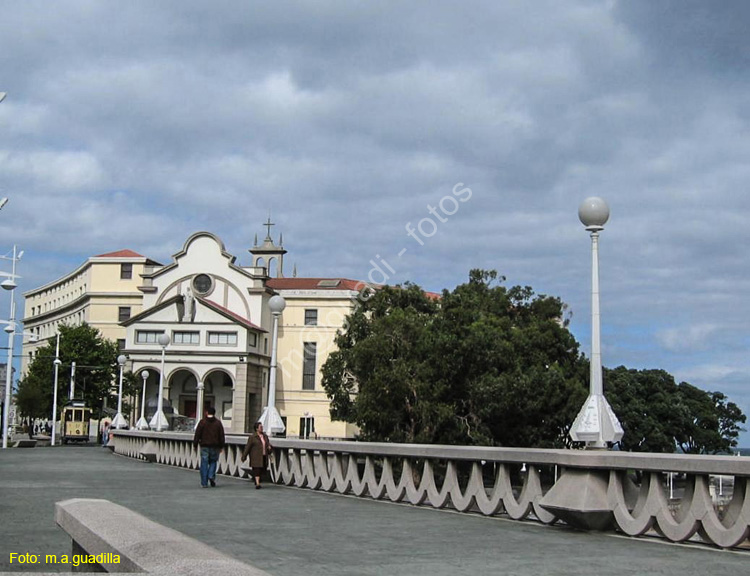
(96, 368)
(645, 403)
(511, 365)
(379, 378)
(484, 365)
(709, 424)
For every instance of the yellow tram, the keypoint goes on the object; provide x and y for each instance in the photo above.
(75, 418)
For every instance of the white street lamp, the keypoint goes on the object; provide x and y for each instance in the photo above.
(8, 401)
(596, 423)
(200, 394)
(142, 424)
(159, 421)
(54, 393)
(270, 418)
(72, 392)
(119, 420)
(10, 285)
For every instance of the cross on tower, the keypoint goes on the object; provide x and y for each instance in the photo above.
(268, 225)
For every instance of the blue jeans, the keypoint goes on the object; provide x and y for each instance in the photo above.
(209, 458)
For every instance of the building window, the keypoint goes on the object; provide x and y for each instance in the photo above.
(252, 339)
(123, 313)
(186, 337)
(126, 271)
(202, 284)
(308, 367)
(147, 336)
(120, 344)
(307, 427)
(222, 338)
(311, 317)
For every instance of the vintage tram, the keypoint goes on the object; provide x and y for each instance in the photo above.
(76, 421)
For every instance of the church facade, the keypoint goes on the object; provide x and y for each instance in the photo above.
(215, 313)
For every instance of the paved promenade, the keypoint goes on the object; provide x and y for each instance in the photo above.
(289, 532)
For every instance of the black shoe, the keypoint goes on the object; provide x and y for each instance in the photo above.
(258, 486)
(213, 482)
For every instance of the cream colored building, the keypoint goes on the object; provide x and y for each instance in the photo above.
(316, 309)
(216, 315)
(102, 292)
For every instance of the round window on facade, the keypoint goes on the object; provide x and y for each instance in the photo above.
(202, 284)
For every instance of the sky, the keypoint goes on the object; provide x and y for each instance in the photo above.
(434, 136)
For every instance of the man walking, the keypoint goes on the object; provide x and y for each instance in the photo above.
(209, 434)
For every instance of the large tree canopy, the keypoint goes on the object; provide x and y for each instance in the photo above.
(709, 424)
(657, 414)
(490, 365)
(96, 370)
(486, 365)
(645, 402)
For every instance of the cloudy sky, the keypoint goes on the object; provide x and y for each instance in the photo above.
(135, 124)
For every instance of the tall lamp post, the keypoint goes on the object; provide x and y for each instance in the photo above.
(119, 421)
(8, 401)
(596, 423)
(270, 418)
(54, 392)
(142, 424)
(10, 284)
(159, 421)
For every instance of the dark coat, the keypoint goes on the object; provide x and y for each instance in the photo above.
(254, 449)
(209, 434)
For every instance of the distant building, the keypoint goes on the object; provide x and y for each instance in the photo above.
(102, 292)
(216, 315)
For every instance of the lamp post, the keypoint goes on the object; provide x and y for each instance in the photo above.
(270, 418)
(72, 392)
(596, 423)
(199, 396)
(159, 421)
(10, 284)
(119, 421)
(54, 393)
(142, 424)
(8, 401)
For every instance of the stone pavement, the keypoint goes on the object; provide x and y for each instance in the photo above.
(288, 531)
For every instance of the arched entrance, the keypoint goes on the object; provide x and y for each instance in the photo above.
(222, 385)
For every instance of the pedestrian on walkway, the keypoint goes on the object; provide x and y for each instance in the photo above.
(105, 433)
(258, 447)
(209, 434)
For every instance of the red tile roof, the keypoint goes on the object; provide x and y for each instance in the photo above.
(121, 254)
(313, 284)
(219, 308)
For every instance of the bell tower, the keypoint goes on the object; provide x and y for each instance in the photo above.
(269, 255)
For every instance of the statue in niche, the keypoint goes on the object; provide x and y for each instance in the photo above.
(189, 300)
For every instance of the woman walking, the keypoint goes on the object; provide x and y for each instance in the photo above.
(258, 447)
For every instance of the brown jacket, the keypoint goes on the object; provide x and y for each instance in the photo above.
(209, 434)
(254, 448)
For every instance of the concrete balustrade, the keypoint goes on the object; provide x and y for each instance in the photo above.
(586, 489)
